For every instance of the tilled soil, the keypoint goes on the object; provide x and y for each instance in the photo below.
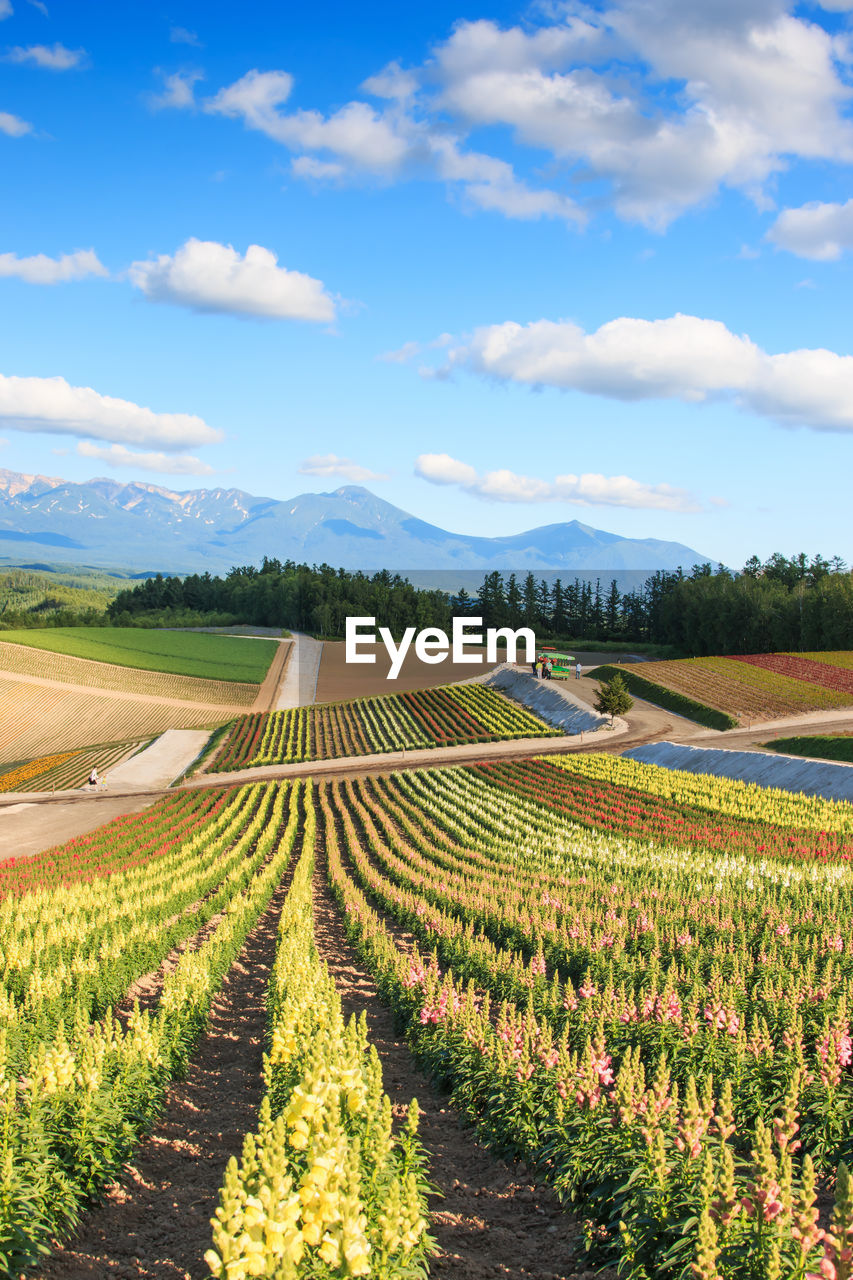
(155, 1221)
(491, 1221)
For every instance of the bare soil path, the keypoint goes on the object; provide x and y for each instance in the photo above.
(154, 1223)
(275, 677)
(492, 1222)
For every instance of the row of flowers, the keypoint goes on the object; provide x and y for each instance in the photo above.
(70, 1118)
(716, 796)
(324, 1186)
(12, 780)
(70, 955)
(366, 726)
(609, 806)
(564, 1080)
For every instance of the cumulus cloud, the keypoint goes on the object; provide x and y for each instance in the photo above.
(51, 57)
(359, 141)
(356, 133)
(116, 455)
(588, 490)
(755, 86)
(53, 405)
(178, 92)
(682, 357)
(818, 231)
(14, 126)
(329, 464)
(40, 269)
(210, 277)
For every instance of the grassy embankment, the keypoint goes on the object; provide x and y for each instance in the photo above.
(828, 746)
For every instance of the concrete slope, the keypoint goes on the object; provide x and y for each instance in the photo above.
(549, 699)
(299, 687)
(162, 762)
(786, 773)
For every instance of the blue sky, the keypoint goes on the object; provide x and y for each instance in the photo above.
(504, 265)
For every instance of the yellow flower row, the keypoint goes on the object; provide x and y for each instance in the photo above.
(12, 780)
(323, 1187)
(717, 795)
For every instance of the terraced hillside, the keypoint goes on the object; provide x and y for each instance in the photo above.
(52, 702)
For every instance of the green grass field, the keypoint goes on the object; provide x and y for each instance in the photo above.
(180, 653)
(817, 747)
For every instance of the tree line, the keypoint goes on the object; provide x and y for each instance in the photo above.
(797, 604)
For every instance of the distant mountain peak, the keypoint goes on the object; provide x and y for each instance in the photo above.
(134, 524)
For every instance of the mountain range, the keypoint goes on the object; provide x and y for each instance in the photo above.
(135, 526)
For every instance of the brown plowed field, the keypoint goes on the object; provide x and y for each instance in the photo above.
(339, 679)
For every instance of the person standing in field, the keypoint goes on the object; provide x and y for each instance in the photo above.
(577, 671)
(93, 778)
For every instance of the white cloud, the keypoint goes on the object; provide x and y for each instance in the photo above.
(5, 9)
(116, 455)
(178, 93)
(755, 86)
(329, 464)
(815, 230)
(40, 269)
(41, 6)
(387, 144)
(14, 126)
(658, 103)
(182, 35)
(393, 83)
(402, 355)
(53, 405)
(355, 133)
(311, 167)
(682, 357)
(588, 490)
(50, 57)
(210, 277)
(491, 184)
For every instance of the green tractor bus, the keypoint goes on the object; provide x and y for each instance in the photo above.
(562, 664)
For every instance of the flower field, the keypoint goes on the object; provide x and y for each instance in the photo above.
(324, 1181)
(67, 769)
(437, 717)
(714, 796)
(605, 806)
(752, 687)
(664, 1034)
(638, 982)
